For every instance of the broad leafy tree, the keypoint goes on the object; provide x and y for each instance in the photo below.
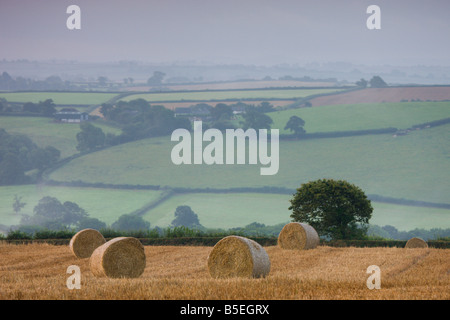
(131, 222)
(256, 120)
(184, 216)
(335, 208)
(90, 137)
(295, 124)
(377, 82)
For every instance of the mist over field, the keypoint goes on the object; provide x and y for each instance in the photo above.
(333, 114)
(290, 54)
(320, 39)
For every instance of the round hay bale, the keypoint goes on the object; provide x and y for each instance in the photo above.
(84, 242)
(416, 243)
(121, 257)
(300, 236)
(235, 256)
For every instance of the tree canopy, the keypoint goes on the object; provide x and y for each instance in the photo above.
(90, 137)
(184, 216)
(295, 124)
(50, 213)
(18, 154)
(377, 82)
(130, 222)
(335, 208)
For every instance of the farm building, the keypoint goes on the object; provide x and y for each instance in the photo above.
(71, 115)
(193, 113)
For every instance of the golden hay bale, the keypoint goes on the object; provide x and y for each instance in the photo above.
(416, 243)
(300, 236)
(84, 242)
(121, 257)
(235, 256)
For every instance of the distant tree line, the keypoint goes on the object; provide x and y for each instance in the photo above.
(52, 214)
(19, 154)
(391, 232)
(138, 119)
(45, 108)
(20, 83)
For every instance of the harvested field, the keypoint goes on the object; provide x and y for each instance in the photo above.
(38, 271)
(379, 95)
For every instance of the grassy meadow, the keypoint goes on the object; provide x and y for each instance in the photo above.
(231, 210)
(39, 272)
(104, 204)
(413, 167)
(66, 98)
(363, 116)
(232, 94)
(44, 132)
(215, 210)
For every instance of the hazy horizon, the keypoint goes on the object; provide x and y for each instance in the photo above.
(250, 32)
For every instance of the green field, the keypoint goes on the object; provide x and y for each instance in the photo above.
(66, 98)
(239, 209)
(232, 95)
(104, 204)
(225, 210)
(415, 166)
(363, 116)
(214, 210)
(44, 132)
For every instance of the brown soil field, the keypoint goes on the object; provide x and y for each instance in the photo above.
(238, 85)
(39, 272)
(379, 95)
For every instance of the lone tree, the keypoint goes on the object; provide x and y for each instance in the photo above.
(130, 222)
(295, 124)
(90, 137)
(18, 204)
(335, 208)
(184, 216)
(377, 82)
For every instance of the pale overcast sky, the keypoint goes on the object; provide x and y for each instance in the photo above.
(259, 32)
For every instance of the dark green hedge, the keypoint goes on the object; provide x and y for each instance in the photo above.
(264, 241)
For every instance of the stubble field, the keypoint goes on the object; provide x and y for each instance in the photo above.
(38, 271)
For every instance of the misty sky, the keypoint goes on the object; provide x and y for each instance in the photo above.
(259, 32)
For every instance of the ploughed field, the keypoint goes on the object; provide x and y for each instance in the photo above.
(39, 271)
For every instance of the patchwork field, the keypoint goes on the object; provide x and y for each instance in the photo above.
(104, 204)
(66, 98)
(363, 116)
(272, 94)
(275, 103)
(413, 167)
(44, 132)
(231, 210)
(238, 85)
(380, 95)
(38, 272)
(220, 210)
